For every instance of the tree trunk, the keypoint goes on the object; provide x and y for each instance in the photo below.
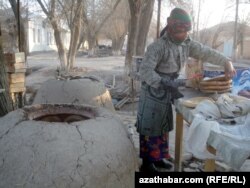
(81, 39)
(75, 33)
(23, 41)
(5, 100)
(57, 33)
(131, 45)
(133, 28)
(144, 23)
(93, 33)
(91, 40)
(59, 44)
(117, 42)
(107, 17)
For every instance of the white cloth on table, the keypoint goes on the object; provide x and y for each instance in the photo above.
(225, 127)
(232, 106)
(197, 135)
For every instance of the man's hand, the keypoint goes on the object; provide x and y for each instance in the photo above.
(229, 70)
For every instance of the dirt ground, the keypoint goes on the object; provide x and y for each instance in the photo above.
(43, 66)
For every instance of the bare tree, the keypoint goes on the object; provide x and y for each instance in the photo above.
(140, 18)
(57, 11)
(50, 11)
(185, 4)
(216, 35)
(144, 23)
(95, 15)
(72, 11)
(75, 33)
(242, 33)
(198, 21)
(117, 27)
(216, 42)
(135, 10)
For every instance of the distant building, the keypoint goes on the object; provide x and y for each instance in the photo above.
(220, 37)
(39, 33)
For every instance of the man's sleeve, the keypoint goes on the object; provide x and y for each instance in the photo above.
(149, 63)
(205, 53)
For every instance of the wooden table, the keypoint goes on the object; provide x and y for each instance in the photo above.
(184, 113)
(209, 163)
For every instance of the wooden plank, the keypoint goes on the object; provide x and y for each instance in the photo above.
(17, 77)
(17, 89)
(210, 163)
(121, 103)
(12, 69)
(14, 85)
(136, 99)
(15, 62)
(16, 65)
(15, 57)
(178, 142)
(17, 80)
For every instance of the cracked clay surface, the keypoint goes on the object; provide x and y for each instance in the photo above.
(91, 153)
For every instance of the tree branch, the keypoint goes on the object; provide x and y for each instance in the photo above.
(65, 12)
(107, 17)
(43, 7)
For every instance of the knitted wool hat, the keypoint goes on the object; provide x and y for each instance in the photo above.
(179, 20)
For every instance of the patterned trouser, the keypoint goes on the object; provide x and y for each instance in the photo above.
(154, 148)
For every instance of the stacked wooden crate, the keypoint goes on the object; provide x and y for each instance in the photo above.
(16, 70)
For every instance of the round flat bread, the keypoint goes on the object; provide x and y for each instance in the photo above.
(193, 102)
(217, 78)
(216, 83)
(215, 91)
(216, 88)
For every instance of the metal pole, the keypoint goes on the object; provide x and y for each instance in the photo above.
(158, 19)
(18, 25)
(235, 32)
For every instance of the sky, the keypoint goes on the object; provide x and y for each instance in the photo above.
(216, 11)
(212, 11)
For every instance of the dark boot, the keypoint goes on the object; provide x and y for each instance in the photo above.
(163, 163)
(148, 166)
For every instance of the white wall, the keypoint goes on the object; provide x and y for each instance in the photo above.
(40, 36)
